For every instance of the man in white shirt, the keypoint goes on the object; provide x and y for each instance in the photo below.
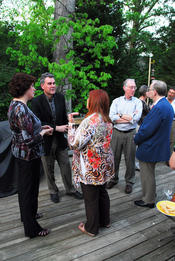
(125, 112)
(171, 99)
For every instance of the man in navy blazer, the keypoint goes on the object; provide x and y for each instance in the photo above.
(50, 108)
(153, 140)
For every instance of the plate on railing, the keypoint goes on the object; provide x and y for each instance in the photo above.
(166, 207)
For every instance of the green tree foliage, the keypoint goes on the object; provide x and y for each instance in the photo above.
(38, 36)
(109, 12)
(7, 69)
(93, 59)
(165, 64)
(141, 18)
(86, 60)
(33, 47)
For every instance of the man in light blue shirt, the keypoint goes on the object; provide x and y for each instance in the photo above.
(125, 112)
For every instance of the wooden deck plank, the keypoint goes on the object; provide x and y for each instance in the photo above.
(122, 224)
(151, 243)
(67, 248)
(134, 233)
(129, 248)
(164, 253)
(114, 237)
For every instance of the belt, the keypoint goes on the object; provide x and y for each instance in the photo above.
(126, 131)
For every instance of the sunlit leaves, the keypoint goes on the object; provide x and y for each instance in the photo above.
(38, 37)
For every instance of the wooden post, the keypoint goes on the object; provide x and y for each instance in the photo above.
(64, 8)
(149, 71)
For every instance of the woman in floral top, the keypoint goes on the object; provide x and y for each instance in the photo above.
(93, 163)
(27, 148)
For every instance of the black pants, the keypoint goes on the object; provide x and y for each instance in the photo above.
(97, 205)
(28, 189)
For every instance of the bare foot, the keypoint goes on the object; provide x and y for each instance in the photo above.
(83, 230)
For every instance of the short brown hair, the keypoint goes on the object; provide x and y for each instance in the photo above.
(20, 83)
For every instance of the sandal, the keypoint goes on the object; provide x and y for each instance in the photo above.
(83, 230)
(44, 232)
(39, 215)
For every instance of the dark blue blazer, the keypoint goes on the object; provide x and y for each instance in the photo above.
(153, 137)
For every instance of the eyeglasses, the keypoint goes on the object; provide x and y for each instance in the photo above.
(149, 89)
(132, 87)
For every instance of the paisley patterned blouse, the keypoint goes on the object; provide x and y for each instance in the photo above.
(93, 161)
(27, 143)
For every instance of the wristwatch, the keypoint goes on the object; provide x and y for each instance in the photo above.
(120, 115)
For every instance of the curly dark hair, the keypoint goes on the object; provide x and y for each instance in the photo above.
(20, 83)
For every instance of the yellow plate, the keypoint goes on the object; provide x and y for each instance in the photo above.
(164, 205)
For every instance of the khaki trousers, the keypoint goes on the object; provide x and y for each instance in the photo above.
(172, 137)
(124, 142)
(62, 158)
(147, 174)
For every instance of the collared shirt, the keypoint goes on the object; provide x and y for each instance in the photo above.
(154, 103)
(132, 107)
(173, 105)
(52, 107)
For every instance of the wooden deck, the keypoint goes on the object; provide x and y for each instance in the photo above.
(136, 233)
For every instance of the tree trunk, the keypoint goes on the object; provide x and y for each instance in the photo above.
(63, 8)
